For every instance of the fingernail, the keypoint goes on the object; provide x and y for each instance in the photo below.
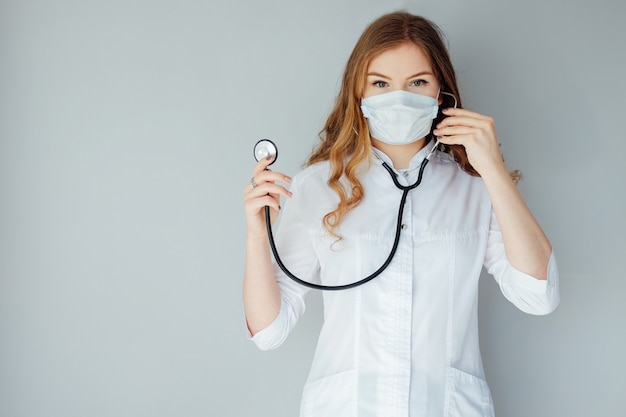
(446, 110)
(288, 180)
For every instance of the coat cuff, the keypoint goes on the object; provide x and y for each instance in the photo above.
(532, 295)
(270, 337)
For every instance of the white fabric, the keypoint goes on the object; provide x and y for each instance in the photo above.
(406, 343)
(399, 117)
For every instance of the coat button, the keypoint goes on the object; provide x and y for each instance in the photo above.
(405, 226)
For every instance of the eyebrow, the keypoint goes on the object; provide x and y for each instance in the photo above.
(377, 74)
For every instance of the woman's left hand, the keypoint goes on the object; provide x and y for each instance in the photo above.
(477, 133)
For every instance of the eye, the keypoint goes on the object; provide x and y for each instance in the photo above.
(418, 83)
(380, 84)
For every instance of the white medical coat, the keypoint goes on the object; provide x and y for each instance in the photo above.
(406, 343)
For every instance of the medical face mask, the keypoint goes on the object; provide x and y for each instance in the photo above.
(399, 117)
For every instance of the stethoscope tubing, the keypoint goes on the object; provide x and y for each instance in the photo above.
(405, 192)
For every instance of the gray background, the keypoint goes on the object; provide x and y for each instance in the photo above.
(126, 130)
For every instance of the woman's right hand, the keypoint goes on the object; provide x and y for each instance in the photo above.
(262, 191)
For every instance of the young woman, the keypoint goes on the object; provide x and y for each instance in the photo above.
(405, 343)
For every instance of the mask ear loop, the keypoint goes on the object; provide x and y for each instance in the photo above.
(451, 95)
(437, 140)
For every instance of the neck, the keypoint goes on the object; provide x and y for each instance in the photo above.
(400, 155)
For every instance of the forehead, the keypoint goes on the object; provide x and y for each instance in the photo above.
(404, 58)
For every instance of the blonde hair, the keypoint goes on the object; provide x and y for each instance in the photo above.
(345, 139)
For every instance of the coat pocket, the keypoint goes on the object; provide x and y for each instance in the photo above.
(334, 395)
(467, 396)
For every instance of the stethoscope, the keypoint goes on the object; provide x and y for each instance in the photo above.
(266, 149)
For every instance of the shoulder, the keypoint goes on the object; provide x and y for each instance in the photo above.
(448, 169)
(311, 197)
(447, 162)
(312, 175)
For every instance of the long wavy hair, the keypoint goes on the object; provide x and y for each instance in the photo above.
(345, 138)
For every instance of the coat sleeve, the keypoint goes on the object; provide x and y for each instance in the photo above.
(529, 294)
(294, 247)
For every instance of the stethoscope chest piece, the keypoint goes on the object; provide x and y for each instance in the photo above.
(265, 149)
